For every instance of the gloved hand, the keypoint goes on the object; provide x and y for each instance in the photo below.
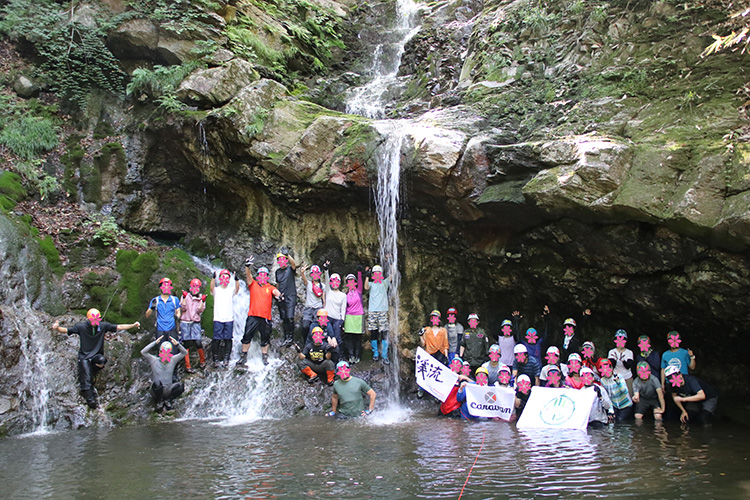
(249, 261)
(184, 294)
(326, 264)
(296, 347)
(214, 275)
(204, 297)
(284, 250)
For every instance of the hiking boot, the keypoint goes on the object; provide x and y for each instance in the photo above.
(202, 365)
(168, 405)
(287, 342)
(265, 358)
(312, 380)
(386, 361)
(189, 370)
(330, 383)
(243, 359)
(92, 403)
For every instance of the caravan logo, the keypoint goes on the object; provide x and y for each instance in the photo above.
(558, 410)
(490, 397)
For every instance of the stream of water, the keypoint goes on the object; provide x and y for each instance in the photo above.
(424, 457)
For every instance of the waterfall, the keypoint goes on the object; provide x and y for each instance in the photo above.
(370, 99)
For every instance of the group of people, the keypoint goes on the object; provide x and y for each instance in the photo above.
(333, 324)
(627, 384)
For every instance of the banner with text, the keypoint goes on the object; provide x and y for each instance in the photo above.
(433, 376)
(490, 401)
(549, 407)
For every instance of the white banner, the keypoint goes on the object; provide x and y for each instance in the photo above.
(433, 376)
(490, 401)
(557, 408)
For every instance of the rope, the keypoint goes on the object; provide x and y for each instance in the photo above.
(472, 467)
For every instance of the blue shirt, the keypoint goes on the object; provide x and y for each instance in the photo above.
(378, 296)
(680, 359)
(165, 312)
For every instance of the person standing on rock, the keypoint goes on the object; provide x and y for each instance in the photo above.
(336, 307)
(348, 393)
(163, 388)
(223, 292)
(167, 308)
(91, 351)
(475, 345)
(285, 282)
(377, 313)
(192, 304)
(455, 332)
(262, 294)
(314, 298)
(353, 326)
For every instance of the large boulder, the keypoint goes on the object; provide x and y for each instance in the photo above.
(209, 88)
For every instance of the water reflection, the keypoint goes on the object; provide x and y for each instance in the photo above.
(420, 457)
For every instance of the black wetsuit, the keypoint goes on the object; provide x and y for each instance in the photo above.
(90, 354)
(286, 285)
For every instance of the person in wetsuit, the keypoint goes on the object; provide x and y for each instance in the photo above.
(285, 283)
(91, 351)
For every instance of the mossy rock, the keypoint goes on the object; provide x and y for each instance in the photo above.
(11, 190)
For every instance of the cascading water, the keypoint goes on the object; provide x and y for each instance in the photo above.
(371, 100)
(226, 396)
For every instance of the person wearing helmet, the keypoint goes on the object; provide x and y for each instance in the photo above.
(602, 412)
(450, 407)
(504, 376)
(574, 366)
(192, 304)
(622, 359)
(475, 345)
(554, 377)
(647, 393)
(258, 320)
(481, 379)
(377, 313)
(617, 390)
(353, 324)
(455, 331)
(572, 331)
(286, 284)
(434, 338)
(167, 309)
(523, 364)
(696, 399)
(315, 359)
(348, 393)
(506, 341)
(323, 321)
(588, 353)
(336, 307)
(532, 339)
(223, 292)
(91, 358)
(553, 359)
(314, 296)
(163, 388)
(493, 365)
(684, 359)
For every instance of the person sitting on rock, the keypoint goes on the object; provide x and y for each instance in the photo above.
(525, 364)
(647, 393)
(455, 332)
(167, 309)
(696, 399)
(91, 351)
(192, 304)
(163, 389)
(475, 345)
(223, 292)
(314, 297)
(315, 359)
(348, 393)
(377, 313)
(323, 322)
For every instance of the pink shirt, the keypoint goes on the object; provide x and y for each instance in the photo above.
(192, 308)
(354, 299)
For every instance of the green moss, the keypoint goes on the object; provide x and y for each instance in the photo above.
(11, 190)
(103, 130)
(507, 192)
(136, 271)
(47, 245)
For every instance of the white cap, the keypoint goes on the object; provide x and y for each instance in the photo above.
(519, 349)
(671, 370)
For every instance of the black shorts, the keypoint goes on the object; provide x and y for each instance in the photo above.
(257, 324)
(645, 404)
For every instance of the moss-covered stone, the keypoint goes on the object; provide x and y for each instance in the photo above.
(11, 190)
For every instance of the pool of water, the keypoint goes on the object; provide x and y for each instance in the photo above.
(412, 455)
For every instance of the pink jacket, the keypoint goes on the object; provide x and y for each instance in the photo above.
(192, 307)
